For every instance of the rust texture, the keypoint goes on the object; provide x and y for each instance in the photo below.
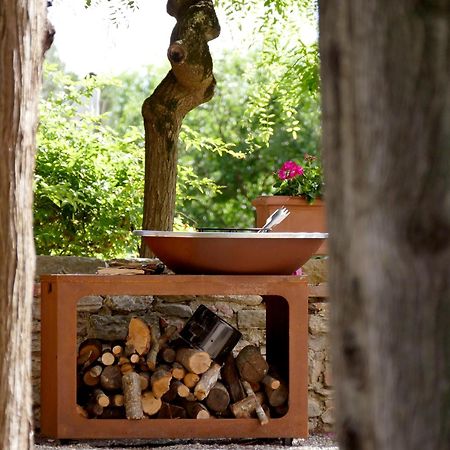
(286, 298)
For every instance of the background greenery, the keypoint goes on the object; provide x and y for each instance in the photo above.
(89, 169)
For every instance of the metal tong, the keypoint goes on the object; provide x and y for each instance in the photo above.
(274, 219)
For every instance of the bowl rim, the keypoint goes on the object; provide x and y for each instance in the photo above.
(230, 234)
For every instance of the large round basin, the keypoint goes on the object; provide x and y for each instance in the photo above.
(229, 253)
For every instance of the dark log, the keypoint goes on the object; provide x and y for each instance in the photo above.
(111, 378)
(90, 380)
(277, 397)
(82, 412)
(218, 398)
(251, 365)
(168, 355)
(177, 390)
(230, 376)
(196, 410)
(271, 382)
(112, 412)
(93, 408)
(280, 411)
(88, 352)
(169, 411)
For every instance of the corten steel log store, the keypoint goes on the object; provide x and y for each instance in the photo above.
(286, 299)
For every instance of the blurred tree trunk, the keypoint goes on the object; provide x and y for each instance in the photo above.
(386, 114)
(189, 83)
(22, 44)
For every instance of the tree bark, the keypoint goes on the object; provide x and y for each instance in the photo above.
(189, 83)
(386, 109)
(23, 40)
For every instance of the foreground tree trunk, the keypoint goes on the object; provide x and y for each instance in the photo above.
(22, 42)
(189, 83)
(386, 111)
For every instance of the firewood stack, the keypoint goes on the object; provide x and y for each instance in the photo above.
(153, 374)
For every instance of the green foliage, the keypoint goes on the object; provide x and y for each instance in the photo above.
(89, 180)
(265, 111)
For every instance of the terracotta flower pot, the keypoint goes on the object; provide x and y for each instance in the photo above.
(303, 216)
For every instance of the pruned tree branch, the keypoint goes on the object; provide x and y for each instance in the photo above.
(188, 84)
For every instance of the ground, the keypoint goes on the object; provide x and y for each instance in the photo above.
(315, 442)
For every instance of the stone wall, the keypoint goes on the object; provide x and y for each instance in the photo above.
(107, 317)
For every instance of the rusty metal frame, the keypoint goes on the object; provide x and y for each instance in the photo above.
(286, 299)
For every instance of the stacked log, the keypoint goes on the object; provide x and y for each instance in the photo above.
(153, 374)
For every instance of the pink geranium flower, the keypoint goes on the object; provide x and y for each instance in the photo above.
(303, 180)
(289, 170)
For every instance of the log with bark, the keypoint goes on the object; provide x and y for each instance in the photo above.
(88, 352)
(193, 360)
(218, 398)
(207, 381)
(192, 386)
(132, 396)
(230, 376)
(251, 364)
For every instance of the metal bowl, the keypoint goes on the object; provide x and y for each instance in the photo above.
(241, 253)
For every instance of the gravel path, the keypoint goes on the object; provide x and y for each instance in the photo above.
(315, 442)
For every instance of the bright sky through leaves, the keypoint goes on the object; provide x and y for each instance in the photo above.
(88, 41)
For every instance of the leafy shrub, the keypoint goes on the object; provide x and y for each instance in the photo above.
(89, 180)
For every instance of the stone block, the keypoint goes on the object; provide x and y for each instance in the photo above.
(66, 264)
(254, 336)
(36, 308)
(251, 318)
(108, 328)
(128, 303)
(90, 303)
(236, 302)
(315, 369)
(317, 270)
(174, 298)
(314, 407)
(313, 424)
(328, 416)
(318, 343)
(173, 310)
(318, 324)
(327, 374)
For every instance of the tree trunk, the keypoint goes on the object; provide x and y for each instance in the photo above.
(386, 110)
(189, 83)
(22, 45)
